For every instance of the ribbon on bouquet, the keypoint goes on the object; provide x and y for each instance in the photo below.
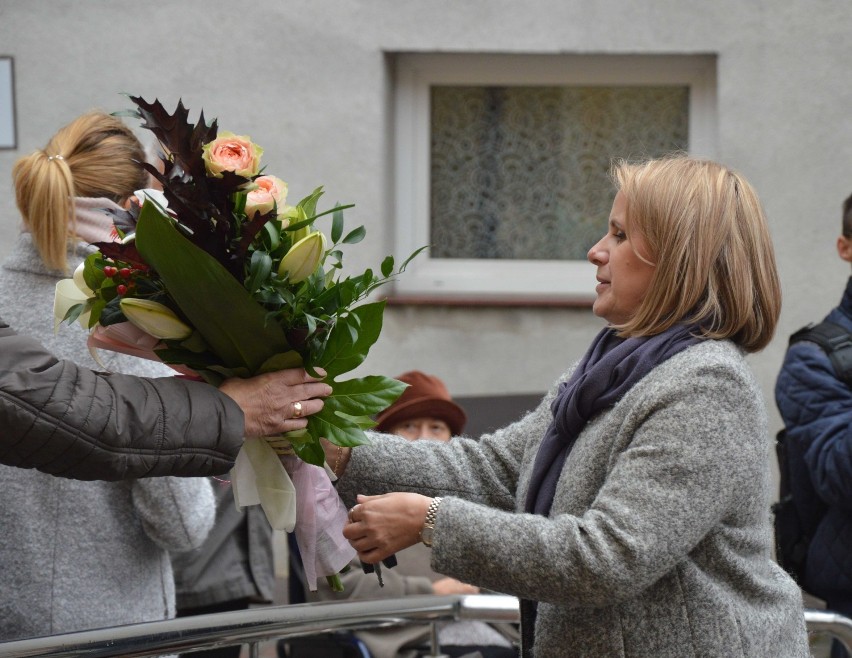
(127, 338)
(295, 496)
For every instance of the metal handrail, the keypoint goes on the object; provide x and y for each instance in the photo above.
(832, 623)
(188, 634)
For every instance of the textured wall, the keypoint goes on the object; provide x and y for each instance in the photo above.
(309, 80)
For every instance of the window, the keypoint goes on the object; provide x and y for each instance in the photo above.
(502, 163)
(8, 137)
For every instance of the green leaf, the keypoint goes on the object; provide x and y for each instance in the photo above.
(365, 396)
(309, 203)
(355, 236)
(193, 360)
(213, 301)
(75, 312)
(310, 452)
(364, 422)
(342, 353)
(387, 266)
(272, 235)
(412, 257)
(259, 270)
(111, 312)
(295, 226)
(336, 225)
(338, 430)
(345, 414)
(97, 308)
(291, 359)
(92, 275)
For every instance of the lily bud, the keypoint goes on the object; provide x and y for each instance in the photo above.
(304, 256)
(155, 318)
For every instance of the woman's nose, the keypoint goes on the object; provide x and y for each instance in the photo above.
(597, 254)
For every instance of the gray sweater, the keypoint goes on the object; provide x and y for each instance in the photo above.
(658, 542)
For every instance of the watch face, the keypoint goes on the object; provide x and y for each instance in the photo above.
(426, 535)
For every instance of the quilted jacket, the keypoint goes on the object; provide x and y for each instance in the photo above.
(74, 422)
(817, 411)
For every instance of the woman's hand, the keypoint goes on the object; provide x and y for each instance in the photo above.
(379, 526)
(446, 586)
(277, 402)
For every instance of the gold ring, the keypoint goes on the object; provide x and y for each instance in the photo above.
(297, 410)
(351, 509)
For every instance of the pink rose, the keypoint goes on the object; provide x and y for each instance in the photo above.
(230, 152)
(270, 192)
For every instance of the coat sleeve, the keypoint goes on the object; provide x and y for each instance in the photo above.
(680, 474)
(817, 411)
(176, 513)
(484, 471)
(73, 422)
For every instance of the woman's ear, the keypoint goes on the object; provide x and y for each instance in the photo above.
(844, 248)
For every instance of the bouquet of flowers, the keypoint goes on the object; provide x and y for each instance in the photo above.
(218, 277)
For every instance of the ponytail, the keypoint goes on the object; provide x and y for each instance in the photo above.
(94, 156)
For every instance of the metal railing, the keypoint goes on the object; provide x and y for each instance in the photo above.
(260, 624)
(283, 622)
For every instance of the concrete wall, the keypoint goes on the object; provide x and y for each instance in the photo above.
(310, 82)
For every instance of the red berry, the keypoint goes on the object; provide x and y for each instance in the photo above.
(121, 289)
(110, 271)
(125, 272)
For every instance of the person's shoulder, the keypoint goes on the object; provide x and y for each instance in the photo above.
(23, 258)
(711, 351)
(708, 357)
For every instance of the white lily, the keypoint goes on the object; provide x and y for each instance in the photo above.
(155, 318)
(304, 256)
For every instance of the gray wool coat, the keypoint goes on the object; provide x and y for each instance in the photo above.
(77, 554)
(658, 542)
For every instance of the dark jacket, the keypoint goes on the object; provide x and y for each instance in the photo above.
(73, 422)
(817, 411)
(235, 563)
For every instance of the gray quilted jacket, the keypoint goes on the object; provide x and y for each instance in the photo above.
(67, 420)
(658, 542)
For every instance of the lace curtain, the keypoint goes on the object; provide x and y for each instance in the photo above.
(523, 172)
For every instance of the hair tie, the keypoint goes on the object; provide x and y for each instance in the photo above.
(50, 158)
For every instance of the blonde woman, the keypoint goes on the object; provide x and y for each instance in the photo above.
(629, 511)
(78, 554)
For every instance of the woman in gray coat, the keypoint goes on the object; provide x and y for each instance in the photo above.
(630, 511)
(82, 554)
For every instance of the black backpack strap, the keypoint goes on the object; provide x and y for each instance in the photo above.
(837, 343)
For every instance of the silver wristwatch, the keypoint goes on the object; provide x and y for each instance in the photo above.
(429, 525)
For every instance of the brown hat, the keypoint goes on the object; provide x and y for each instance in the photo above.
(426, 395)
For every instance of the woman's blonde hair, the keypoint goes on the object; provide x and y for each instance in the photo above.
(708, 237)
(95, 155)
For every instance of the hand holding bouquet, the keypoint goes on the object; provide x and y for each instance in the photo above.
(220, 278)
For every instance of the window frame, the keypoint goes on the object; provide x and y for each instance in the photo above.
(8, 120)
(449, 280)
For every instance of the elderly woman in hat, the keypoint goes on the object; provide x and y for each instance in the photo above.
(425, 411)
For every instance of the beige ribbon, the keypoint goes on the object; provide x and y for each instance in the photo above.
(259, 478)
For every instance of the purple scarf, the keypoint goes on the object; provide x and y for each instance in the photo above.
(609, 369)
